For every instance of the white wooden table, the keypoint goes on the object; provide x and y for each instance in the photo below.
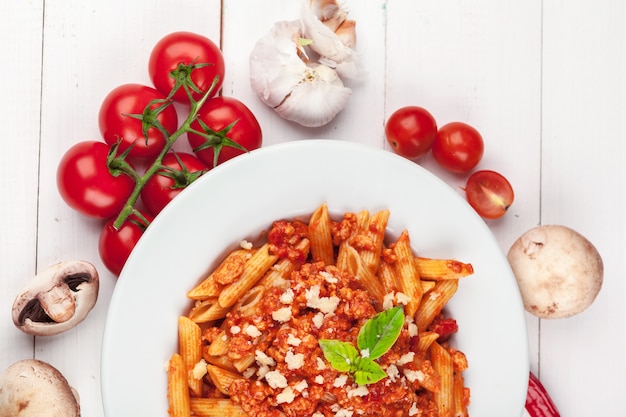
(544, 82)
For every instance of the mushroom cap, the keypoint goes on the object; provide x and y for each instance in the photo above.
(33, 388)
(559, 272)
(56, 299)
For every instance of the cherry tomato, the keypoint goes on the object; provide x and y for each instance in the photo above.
(489, 193)
(458, 147)
(186, 54)
(86, 183)
(115, 245)
(116, 124)
(180, 170)
(231, 126)
(411, 131)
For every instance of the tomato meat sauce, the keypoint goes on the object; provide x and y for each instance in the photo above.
(290, 376)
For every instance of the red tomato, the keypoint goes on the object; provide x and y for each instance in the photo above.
(230, 125)
(116, 124)
(458, 147)
(489, 193)
(180, 170)
(87, 184)
(115, 246)
(411, 131)
(188, 55)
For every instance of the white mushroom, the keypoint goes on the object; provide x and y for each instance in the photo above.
(559, 272)
(57, 299)
(33, 388)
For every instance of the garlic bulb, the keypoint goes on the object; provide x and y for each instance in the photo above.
(299, 66)
(306, 93)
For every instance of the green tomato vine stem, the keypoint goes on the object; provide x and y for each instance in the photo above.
(141, 180)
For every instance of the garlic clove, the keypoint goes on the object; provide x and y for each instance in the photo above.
(317, 99)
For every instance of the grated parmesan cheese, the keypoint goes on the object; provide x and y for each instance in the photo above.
(393, 373)
(434, 295)
(199, 370)
(328, 277)
(359, 391)
(244, 244)
(413, 375)
(406, 358)
(342, 412)
(262, 358)
(320, 364)
(365, 353)
(323, 304)
(319, 379)
(413, 410)
(294, 360)
(301, 386)
(235, 329)
(252, 331)
(402, 298)
(282, 315)
(275, 379)
(318, 320)
(287, 296)
(412, 328)
(249, 372)
(340, 381)
(286, 396)
(293, 341)
(388, 301)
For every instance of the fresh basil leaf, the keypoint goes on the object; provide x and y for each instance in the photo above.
(380, 332)
(368, 372)
(342, 356)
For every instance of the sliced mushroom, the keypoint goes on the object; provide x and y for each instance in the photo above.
(57, 299)
(33, 388)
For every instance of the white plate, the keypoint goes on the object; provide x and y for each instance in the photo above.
(243, 196)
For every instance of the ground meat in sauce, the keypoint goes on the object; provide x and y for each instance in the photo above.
(314, 388)
(300, 335)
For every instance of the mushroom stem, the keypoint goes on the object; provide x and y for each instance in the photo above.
(58, 303)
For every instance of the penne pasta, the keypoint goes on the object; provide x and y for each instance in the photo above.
(438, 269)
(177, 387)
(321, 238)
(253, 270)
(215, 407)
(433, 302)
(221, 377)
(355, 265)
(407, 272)
(228, 271)
(375, 231)
(443, 366)
(208, 310)
(190, 348)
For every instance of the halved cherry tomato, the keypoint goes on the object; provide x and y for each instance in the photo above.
(179, 170)
(231, 127)
(458, 147)
(489, 193)
(115, 245)
(117, 124)
(86, 183)
(411, 131)
(184, 54)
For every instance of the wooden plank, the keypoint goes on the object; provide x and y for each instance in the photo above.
(479, 63)
(584, 187)
(20, 54)
(90, 47)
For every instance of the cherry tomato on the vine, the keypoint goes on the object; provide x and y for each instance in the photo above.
(411, 131)
(118, 119)
(115, 245)
(489, 193)
(87, 184)
(180, 55)
(458, 147)
(230, 125)
(179, 170)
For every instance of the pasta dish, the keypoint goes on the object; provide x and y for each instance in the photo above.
(323, 318)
